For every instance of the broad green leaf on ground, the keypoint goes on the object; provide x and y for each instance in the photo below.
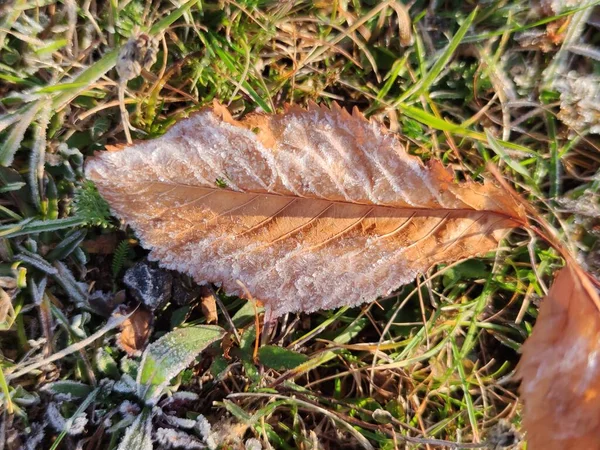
(279, 358)
(305, 210)
(66, 389)
(466, 270)
(559, 367)
(168, 356)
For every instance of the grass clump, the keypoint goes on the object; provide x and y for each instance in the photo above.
(429, 367)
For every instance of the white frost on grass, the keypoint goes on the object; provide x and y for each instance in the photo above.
(579, 101)
(253, 444)
(559, 6)
(170, 438)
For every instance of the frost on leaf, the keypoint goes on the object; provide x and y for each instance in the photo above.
(253, 444)
(72, 426)
(35, 436)
(164, 359)
(579, 101)
(126, 385)
(170, 438)
(66, 390)
(129, 409)
(560, 367)
(139, 434)
(309, 209)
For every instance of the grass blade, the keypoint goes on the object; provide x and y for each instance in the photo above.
(443, 125)
(30, 226)
(424, 84)
(15, 137)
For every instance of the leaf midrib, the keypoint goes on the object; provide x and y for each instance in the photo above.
(517, 220)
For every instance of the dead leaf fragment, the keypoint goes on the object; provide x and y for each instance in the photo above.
(7, 312)
(309, 209)
(138, 53)
(135, 331)
(560, 367)
(208, 304)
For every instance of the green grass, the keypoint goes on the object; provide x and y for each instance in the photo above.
(428, 367)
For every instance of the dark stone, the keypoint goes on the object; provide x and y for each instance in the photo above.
(149, 284)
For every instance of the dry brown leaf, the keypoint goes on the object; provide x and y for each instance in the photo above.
(208, 302)
(135, 331)
(559, 367)
(7, 312)
(321, 208)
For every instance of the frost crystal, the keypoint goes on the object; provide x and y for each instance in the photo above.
(129, 409)
(36, 261)
(106, 384)
(150, 285)
(77, 426)
(55, 418)
(184, 396)
(138, 53)
(138, 435)
(580, 101)
(170, 438)
(503, 435)
(169, 355)
(558, 6)
(35, 436)
(203, 426)
(179, 422)
(59, 396)
(75, 290)
(128, 366)
(126, 385)
(253, 444)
